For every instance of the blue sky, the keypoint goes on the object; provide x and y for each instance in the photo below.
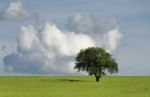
(133, 19)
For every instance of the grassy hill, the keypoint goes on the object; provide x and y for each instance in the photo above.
(75, 86)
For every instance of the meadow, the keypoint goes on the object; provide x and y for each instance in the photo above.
(74, 86)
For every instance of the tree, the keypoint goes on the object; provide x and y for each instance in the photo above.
(96, 61)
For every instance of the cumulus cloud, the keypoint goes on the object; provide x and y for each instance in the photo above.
(7, 47)
(16, 12)
(81, 23)
(51, 50)
(104, 32)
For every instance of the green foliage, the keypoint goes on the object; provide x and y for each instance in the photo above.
(74, 86)
(96, 61)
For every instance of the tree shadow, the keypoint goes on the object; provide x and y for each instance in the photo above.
(72, 80)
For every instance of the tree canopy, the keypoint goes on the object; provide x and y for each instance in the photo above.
(96, 61)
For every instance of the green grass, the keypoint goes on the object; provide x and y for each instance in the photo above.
(75, 86)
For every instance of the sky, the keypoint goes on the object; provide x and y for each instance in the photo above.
(44, 36)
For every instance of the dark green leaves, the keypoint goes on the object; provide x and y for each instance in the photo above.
(95, 61)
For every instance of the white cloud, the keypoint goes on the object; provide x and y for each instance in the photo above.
(104, 32)
(114, 37)
(15, 12)
(48, 51)
(7, 47)
(51, 50)
(81, 23)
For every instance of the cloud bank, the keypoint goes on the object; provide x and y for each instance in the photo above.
(47, 51)
(16, 12)
(6, 48)
(52, 51)
(104, 32)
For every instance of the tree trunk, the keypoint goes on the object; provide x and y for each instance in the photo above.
(97, 79)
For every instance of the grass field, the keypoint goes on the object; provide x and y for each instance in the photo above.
(74, 86)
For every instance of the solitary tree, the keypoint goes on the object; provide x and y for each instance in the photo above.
(96, 61)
